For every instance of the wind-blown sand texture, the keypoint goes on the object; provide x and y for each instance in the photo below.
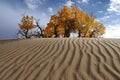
(60, 59)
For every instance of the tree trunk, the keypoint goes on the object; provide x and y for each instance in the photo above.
(79, 33)
(55, 31)
(26, 34)
(41, 34)
(67, 33)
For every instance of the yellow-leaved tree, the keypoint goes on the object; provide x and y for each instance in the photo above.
(73, 20)
(25, 25)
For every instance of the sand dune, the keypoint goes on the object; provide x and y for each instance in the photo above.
(60, 59)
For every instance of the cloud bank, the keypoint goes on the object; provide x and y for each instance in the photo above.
(10, 18)
(82, 1)
(114, 6)
(33, 4)
(112, 31)
(69, 3)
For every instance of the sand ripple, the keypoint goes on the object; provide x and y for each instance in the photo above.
(60, 59)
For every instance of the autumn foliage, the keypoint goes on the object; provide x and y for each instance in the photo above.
(67, 20)
(25, 25)
(73, 20)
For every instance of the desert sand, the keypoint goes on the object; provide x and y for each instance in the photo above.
(60, 59)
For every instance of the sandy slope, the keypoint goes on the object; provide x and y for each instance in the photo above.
(60, 59)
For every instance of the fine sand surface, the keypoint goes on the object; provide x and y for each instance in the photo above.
(60, 59)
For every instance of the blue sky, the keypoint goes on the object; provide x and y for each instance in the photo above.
(11, 11)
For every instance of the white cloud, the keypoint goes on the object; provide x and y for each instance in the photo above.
(85, 1)
(33, 4)
(100, 11)
(82, 1)
(50, 10)
(114, 6)
(104, 18)
(112, 31)
(69, 3)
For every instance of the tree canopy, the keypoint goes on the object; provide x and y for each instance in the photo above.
(73, 20)
(25, 25)
(67, 20)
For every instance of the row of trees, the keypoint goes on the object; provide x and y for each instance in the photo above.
(67, 20)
